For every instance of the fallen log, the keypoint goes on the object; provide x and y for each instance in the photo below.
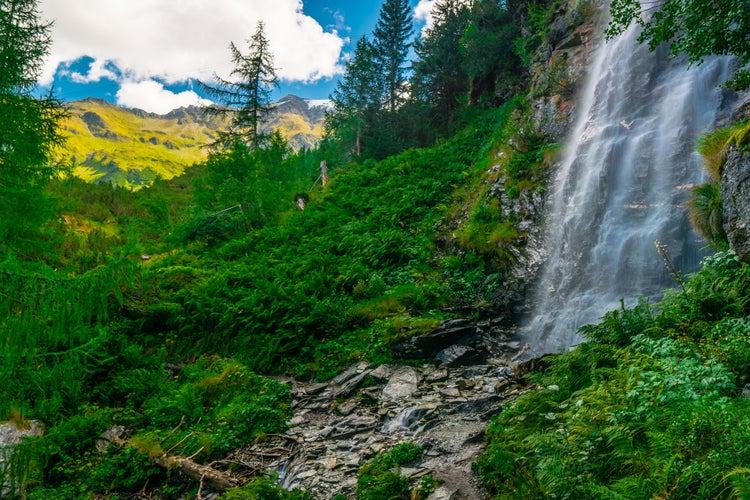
(215, 479)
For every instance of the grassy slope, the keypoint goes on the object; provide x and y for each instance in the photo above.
(131, 148)
(137, 148)
(329, 286)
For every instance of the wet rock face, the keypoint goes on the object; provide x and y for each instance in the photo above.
(735, 194)
(560, 65)
(340, 425)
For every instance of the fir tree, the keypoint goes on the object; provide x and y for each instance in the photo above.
(355, 99)
(391, 41)
(440, 79)
(247, 98)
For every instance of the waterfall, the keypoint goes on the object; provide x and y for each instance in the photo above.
(623, 183)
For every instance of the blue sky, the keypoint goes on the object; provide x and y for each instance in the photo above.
(147, 54)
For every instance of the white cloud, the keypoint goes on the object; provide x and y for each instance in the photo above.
(423, 12)
(176, 40)
(151, 96)
(98, 70)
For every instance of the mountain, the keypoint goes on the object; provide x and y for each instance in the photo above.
(299, 120)
(130, 147)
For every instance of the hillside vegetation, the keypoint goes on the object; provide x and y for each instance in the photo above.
(145, 330)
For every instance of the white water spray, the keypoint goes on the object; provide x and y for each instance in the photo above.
(629, 165)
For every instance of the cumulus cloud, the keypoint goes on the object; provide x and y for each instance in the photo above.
(151, 96)
(423, 12)
(177, 40)
(98, 70)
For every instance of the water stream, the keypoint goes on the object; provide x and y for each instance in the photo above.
(629, 165)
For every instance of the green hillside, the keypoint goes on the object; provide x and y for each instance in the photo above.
(107, 143)
(154, 336)
(131, 148)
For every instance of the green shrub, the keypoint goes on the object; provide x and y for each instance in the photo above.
(648, 407)
(379, 478)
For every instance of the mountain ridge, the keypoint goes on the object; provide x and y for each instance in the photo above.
(131, 147)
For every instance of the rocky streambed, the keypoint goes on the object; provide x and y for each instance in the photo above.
(443, 406)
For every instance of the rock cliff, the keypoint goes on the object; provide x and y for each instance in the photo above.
(735, 193)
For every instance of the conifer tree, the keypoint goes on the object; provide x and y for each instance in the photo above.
(247, 98)
(391, 41)
(28, 127)
(488, 50)
(440, 79)
(355, 99)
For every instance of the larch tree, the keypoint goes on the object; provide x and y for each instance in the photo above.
(391, 39)
(246, 98)
(28, 127)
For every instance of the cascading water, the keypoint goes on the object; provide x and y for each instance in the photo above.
(622, 184)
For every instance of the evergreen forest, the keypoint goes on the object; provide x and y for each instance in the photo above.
(175, 312)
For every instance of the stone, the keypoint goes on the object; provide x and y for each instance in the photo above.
(438, 375)
(351, 385)
(402, 384)
(735, 195)
(111, 435)
(459, 355)
(296, 420)
(382, 373)
(451, 392)
(443, 493)
(429, 344)
(347, 407)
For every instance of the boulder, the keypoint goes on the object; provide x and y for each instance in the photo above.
(459, 355)
(402, 384)
(735, 194)
(426, 346)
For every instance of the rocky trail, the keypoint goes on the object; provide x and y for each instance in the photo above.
(443, 406)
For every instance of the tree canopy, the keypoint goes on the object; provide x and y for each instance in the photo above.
(29, 129)
(391, 39)
(696, 28)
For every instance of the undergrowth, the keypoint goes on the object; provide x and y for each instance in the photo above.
(650, 406)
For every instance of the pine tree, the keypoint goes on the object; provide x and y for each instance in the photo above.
(391, 41)
(355, 99)
(28, 127)
(247, 99)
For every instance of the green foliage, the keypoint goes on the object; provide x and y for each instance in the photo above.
(693, 27)
(29, 130)
(538, 21)
(219, 405)
(357, 259)
(263, 488)
(379, 478)
(246, 98)
(487, 50)
(648, 407)
(706, 210)
(391, 41)
(440, 79)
